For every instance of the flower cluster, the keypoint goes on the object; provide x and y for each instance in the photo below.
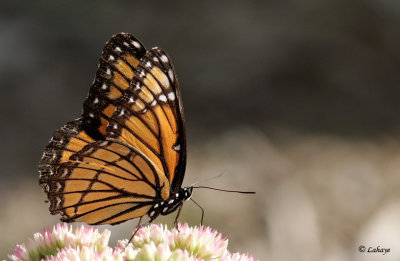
(154, 242)
(62, 238)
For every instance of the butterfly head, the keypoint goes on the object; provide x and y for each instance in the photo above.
(186, 193)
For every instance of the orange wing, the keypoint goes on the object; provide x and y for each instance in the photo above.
(65, 142)
(106, 182)
(118, 61)
(150, 117)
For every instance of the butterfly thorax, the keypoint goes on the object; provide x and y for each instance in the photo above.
(171, 204)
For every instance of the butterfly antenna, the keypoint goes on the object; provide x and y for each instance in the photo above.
(202, 211)
(207, 179)
(225, 190)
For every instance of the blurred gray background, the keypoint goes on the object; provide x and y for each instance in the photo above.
(296, 100)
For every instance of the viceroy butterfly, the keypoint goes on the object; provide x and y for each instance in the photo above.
(125, 157)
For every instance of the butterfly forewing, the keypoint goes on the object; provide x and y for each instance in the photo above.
(118, 61)
(127, 153)
(150, 116)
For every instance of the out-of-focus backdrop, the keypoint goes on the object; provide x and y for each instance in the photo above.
(296, 100)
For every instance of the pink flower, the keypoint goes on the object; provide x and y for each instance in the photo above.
(49, 242)
(198, 243)
(153, 242)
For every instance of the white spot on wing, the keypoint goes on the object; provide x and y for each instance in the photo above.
(117, 49)
(64, 173)
(103, 143)
(104, 86)
(153, 103)
(164, 58)
(155, 59)
(171, 96)
(136, 44)
(171, 75)
(96, 100)
(177, 147)
(58, 202)
(126, 44)
(137, 86)
(111, 58)
(108, 72)
(121, 113)
(162, 98)
(148, 64)
(91, 115)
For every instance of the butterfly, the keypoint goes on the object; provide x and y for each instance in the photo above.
(125, 157)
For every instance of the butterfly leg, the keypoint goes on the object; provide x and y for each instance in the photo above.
(137, 228)
(177, 216)
(202, 211)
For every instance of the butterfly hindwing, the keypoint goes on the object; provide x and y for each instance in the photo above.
(106, 182)
(65, 142)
